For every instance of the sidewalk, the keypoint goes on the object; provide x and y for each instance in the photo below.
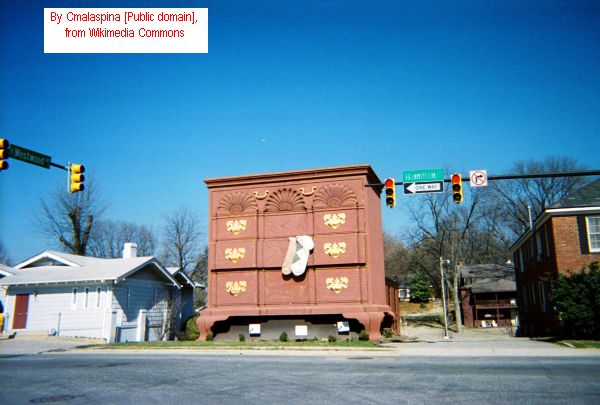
(425, 341)
(429, 341)
(37, 344)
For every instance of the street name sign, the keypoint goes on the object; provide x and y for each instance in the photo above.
(423, 176)
(424, 188)
(29, 156)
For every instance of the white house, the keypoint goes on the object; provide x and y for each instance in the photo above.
(127, 299)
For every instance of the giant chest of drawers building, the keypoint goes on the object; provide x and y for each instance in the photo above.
(251, 220)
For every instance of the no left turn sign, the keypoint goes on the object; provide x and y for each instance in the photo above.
(478, 178)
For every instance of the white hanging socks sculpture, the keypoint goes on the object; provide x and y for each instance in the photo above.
(297, 254)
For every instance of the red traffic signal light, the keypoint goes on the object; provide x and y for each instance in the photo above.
(457, 195)
(390, 192)
(76, 177)
(4, 145)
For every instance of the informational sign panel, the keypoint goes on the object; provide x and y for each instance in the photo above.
(301, 331)
(422, 176)
(29, 156)
(424, 188)
(478, 178)
(254, 329)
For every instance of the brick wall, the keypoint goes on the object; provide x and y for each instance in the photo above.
(570, 244)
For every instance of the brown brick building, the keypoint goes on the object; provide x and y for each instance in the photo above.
(565, 238)
(488, 295)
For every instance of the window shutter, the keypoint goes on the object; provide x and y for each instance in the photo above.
(583, 236)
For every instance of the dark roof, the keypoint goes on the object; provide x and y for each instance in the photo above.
(480, 278)
(492, 286)
(587, 196)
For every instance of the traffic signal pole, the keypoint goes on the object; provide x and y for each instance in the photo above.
(75, 177)
(516, 176)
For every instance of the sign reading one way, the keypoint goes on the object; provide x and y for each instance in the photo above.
(423, 188)
(423, 181)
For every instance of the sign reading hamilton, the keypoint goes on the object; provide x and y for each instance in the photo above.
(423, 181)
(29, 156)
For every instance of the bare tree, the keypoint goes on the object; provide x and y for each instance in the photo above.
(200, 275)
(397, 258)
(69, 218)
(467, 232)
(182, 239)
(108, 237)
(516, 197)
(4, 259)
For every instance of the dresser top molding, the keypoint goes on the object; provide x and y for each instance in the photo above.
(296, 176)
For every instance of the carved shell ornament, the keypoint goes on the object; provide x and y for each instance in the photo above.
(235, 288)
(334, 195)
(285, 199)
(237, 203)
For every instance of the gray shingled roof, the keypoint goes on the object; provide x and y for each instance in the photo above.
(86, 269)
(587, 196)
(6, 271)
(489, 277)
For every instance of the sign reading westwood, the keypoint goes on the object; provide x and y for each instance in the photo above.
(423, 181)
(29, 156)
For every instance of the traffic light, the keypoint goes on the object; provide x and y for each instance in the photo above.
(390, 192)
(76, 177)
(457, 195)
(4, 145)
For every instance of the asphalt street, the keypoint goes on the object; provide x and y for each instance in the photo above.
(163, 378)
(474, 367)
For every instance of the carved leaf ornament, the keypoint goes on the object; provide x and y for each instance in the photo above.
(334, 221)
(234, 255)
(335, 250)
(337, 284)
(235, 288)
(236, 226)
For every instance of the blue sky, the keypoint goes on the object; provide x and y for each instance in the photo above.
(287, 86)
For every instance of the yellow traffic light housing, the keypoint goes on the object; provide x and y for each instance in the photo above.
(4, 145)
(457, 194)
(390, 192)
(76, 177)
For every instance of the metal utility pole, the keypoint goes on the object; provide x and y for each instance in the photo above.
(444, 296)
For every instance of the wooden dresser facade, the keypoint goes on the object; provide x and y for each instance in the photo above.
(252, 217)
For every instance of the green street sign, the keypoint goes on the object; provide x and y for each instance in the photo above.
(29, 156)
(422, 176)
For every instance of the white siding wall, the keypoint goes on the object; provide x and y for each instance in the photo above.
(134, 294)
(53, 308)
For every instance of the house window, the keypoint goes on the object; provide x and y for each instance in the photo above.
(538, 239)
(521, 260)
(86, 297)
(542, 296)
(531, 252)
(593, 231)
(128, 298)
(533, 293)
(98, 295)
(74, 298)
